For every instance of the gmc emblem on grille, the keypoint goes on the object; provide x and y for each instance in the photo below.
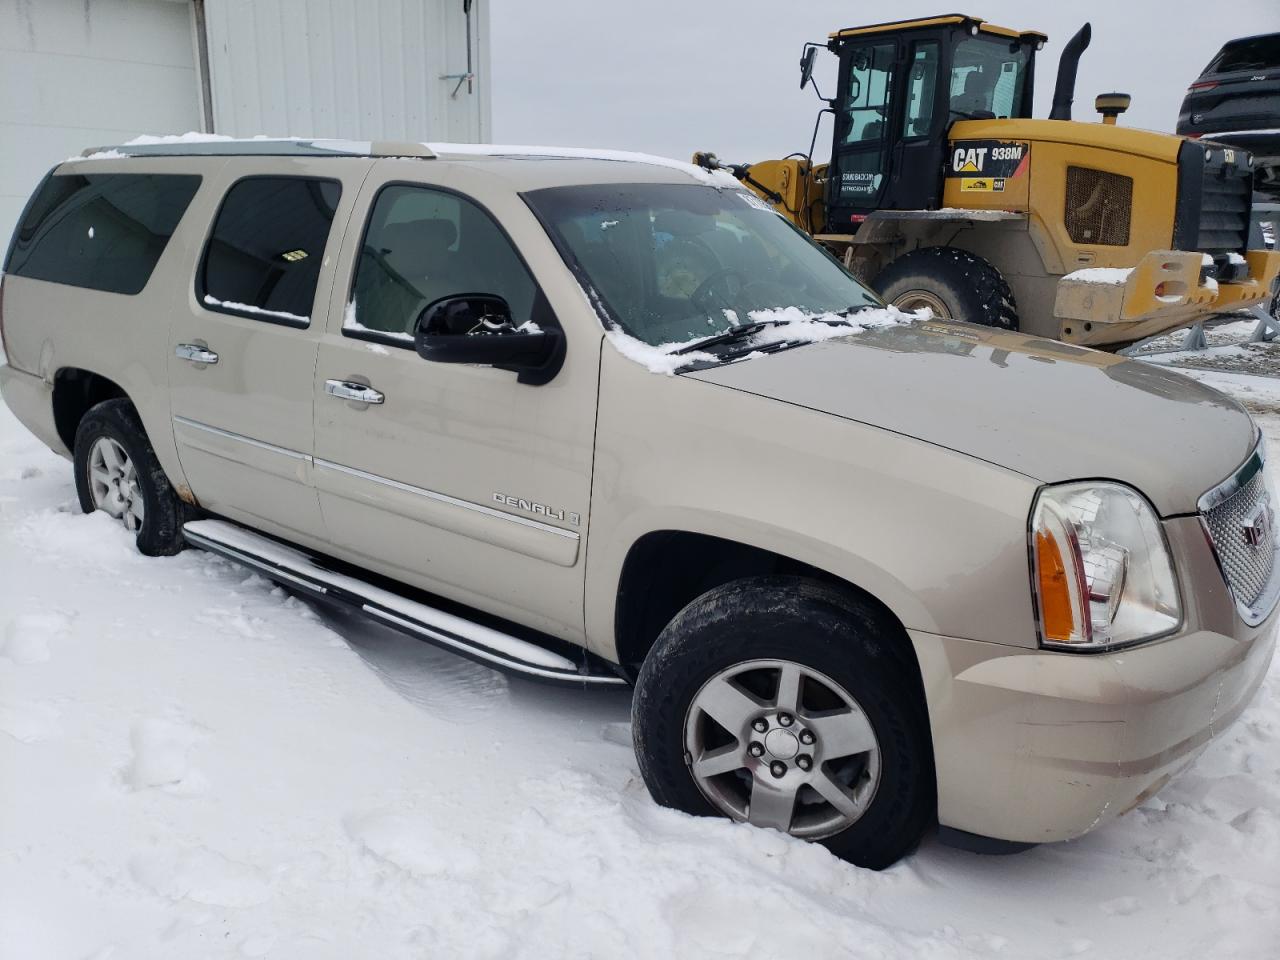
(1257, 528)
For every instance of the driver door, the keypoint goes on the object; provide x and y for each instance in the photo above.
(864, 129)
(453, 477)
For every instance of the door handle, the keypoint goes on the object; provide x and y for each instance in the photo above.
(195, 353)
(350, 390)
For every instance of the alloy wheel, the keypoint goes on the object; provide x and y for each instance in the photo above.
(778, 744)
(113, 483)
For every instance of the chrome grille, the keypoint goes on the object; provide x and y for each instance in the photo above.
(1241, 526)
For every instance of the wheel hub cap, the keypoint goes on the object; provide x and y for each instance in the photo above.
(782, 744)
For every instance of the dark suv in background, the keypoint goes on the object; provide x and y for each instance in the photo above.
(1236, 101)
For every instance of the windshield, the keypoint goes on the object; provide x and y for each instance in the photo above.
(987, 77)
(672, 263)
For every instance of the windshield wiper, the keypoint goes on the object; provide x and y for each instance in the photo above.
(732, 335)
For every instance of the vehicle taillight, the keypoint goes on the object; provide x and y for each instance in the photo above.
(1204, 85)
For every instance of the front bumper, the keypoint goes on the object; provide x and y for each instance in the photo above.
(1098, 314)
(1034, 746)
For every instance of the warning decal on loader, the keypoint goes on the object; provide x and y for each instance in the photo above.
(982, 184)
(991, 160)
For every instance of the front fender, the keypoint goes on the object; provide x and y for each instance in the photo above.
(938, 537)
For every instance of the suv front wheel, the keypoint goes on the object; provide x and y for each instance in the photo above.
(789, 704)
(117, 472)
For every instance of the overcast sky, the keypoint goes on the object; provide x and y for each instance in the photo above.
(673, 76)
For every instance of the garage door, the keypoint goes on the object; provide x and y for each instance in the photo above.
(75, 74)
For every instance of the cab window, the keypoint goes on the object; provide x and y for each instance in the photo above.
(421, 245)
(987, 77)
(866, 104)
(922, 82)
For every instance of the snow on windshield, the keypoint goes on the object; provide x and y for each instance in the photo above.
(789, 325)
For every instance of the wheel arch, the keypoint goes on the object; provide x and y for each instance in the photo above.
(75, 392)
(665, 569)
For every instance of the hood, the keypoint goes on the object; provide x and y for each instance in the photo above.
(1103, 136)
(1048, 410)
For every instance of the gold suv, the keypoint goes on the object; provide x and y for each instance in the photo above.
(607, 420)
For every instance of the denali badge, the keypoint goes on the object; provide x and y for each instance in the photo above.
(1258, 527)
(530, 506)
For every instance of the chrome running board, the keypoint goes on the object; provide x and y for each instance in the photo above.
(295, 568)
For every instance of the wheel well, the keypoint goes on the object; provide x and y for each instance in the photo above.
(667, 569)
(75, 392)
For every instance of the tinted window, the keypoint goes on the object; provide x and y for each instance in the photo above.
(266, 248)
(1255, 53)
(104, 231)
(424, 244)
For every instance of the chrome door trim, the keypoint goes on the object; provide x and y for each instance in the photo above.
(445, 498)
(260, 444)
(195, 353)
(351, 390)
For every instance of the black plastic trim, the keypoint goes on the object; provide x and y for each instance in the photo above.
(976, 843)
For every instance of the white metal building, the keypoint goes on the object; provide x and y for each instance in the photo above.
(81, 73)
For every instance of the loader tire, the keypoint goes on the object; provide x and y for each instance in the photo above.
(953, 283)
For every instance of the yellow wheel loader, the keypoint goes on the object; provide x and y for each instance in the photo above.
(941, 191)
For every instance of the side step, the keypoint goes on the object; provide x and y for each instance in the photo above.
(294, 568)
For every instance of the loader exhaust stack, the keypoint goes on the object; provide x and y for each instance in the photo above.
(1065, 89)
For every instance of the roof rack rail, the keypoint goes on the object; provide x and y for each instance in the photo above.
(262, 147)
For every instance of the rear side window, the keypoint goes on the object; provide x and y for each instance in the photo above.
(263, 257)
(104, 231)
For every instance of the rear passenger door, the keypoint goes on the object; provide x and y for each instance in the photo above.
(457, 478)
(243, 340)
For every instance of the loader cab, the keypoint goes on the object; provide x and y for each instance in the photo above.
(900, 87)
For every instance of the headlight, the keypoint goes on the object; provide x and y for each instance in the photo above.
(1101, 568)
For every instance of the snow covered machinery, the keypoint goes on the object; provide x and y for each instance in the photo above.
(943, 192)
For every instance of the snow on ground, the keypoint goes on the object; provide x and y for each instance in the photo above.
(193, 764)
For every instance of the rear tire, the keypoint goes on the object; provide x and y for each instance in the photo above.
(954, 283)
(853, 668)
(117, 471)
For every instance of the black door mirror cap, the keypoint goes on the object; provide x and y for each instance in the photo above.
(477, 328)
(806, 66)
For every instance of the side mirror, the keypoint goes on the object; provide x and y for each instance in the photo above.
(478, 328)
(806, 66)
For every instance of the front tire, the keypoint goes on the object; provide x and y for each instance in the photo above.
(788, 703)
(953, 283)
(117, 472)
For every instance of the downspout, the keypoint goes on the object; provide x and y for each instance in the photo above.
(202, 65)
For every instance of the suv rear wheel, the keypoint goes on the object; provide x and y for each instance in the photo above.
(787, 703)
(117, 472)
